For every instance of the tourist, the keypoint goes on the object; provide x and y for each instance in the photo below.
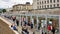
(31, 25)
(28, 24)
(14, 27)
(24, 28)
(39, 24)
(25, 23)
(49, 29)
(41, 31)
(17, 22)
(53, 30)
(14, 18)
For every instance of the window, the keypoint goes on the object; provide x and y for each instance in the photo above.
(54, 5)
(57, 5)
(47, 6)
(50, 1)
(37, 0)
(38, 3)
(50, 6)
(40, 7)
(54, 1)
(57, 0)
(37, 7)
(42, 2)
(47, 1)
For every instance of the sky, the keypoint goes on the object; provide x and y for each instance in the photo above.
(10, 3)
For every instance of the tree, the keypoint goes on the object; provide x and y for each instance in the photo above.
(4, 10)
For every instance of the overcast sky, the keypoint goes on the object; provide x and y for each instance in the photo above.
(10, 3)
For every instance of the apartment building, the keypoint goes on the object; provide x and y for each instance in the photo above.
(46, 4)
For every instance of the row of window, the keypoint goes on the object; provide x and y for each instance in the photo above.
(47, 6)
(53, 1)
(41, 2)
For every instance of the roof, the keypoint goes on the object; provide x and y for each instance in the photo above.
(22, 5)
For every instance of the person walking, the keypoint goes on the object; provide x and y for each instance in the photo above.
(25, 23)
(39, 26)
(31, 25)
(49, 29)
(53, 30)
(41, 31)
(17, 22)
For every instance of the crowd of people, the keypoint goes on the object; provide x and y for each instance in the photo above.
(26, 25)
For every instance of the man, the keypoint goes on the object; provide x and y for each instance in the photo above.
(31, 25)
(17, 22)
(53, 30)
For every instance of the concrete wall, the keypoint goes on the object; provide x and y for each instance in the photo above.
(48, 11)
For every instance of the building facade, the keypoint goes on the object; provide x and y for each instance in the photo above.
(45, 4)
(20, 7)
(48, 7)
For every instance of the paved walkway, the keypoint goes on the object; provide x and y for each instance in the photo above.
(4, 28)
(9, 23)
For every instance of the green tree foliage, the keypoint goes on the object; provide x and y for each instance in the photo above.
(4, 10)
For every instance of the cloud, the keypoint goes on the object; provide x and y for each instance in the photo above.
(5, 0)
(10, 3)
(2, 4)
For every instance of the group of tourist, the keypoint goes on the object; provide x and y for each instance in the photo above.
(25, 25)
(51, 30)
(13, 26)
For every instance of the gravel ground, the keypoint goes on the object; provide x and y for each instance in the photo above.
(4, 28)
